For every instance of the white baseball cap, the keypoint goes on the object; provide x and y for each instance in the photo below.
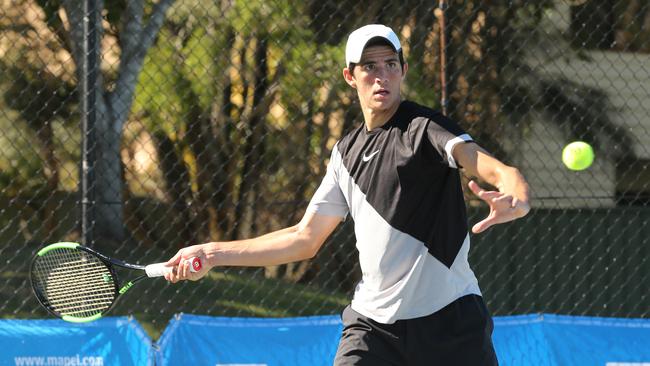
(359, 38)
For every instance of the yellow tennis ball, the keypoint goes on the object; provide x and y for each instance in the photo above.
(578, 155)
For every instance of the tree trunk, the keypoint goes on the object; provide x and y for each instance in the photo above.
(177, 183)
(113, 106)
(51, 172)
(198, 139)
(222, 177)
(253, 146)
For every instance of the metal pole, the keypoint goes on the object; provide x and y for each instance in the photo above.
(442, 7)
(89, 69)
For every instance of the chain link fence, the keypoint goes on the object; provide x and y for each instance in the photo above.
(215, 120)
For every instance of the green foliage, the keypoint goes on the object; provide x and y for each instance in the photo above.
(20, 164)
(195, 12)
(205, 59)
(155, 96)
(420, 86)
(186, 73)
(269, 17)
(37, 95)
(32, 100)
(311, 67)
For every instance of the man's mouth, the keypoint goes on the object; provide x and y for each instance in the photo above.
(381, 92)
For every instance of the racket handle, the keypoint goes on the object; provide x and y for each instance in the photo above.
(160, 269)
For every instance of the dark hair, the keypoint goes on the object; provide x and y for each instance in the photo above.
(380, 41)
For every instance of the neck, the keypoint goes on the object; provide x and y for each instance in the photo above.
(376, 118)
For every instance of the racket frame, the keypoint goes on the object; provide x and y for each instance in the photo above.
(110, 265)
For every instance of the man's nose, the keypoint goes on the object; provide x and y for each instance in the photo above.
(382, 75)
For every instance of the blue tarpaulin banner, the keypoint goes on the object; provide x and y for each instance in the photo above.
(203, 340)
(539, 340)
(558, 340)
(535, 340)
(119, 341)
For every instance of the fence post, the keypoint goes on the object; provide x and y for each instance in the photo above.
(89, 69)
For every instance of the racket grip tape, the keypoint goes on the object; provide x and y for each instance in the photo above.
(160, 269)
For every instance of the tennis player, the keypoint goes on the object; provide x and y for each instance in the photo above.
(397, 176)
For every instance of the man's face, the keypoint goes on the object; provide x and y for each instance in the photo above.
(377, 78)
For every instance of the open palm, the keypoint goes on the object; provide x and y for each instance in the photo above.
(503, 207)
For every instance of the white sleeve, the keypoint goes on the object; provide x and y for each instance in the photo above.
(329, 199)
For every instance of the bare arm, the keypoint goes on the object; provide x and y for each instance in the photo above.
(511, 201)
(291, 244)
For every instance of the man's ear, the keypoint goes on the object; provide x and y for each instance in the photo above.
(405, 68)
(349, 78)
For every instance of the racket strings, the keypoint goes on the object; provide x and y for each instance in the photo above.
(74, 283)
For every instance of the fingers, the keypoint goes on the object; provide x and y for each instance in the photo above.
(485, 224)
(481, 193)
(172, 276)
(179, 272)
(480, 227)
(175, 259)
(183, 271)
(503, 207)
(491, 197)
(173, 262)
(474, 187)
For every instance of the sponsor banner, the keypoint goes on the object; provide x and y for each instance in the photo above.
(107, 341)
(536, 340)
(203, 340)
(539, 339)
(558, 340)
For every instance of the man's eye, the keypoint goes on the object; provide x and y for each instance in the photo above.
(369, 67)
(392, 65)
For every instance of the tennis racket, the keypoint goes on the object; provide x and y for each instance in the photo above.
(78, 284)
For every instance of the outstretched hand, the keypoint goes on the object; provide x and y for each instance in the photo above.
(504, 207)
(182, 266)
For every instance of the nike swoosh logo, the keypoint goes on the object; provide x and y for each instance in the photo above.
(367, 158)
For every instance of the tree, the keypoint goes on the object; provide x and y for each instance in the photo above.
(49, 99)
(38, 85)
(133, 26)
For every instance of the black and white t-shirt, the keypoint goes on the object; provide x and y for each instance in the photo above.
(401, 185)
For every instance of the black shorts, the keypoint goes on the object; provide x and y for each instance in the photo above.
(458, 334)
